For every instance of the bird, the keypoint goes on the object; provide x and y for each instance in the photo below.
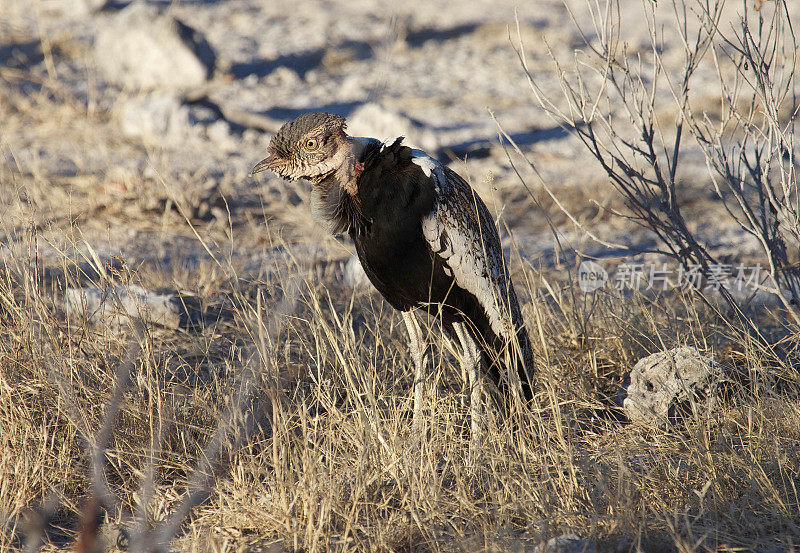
(426, 241)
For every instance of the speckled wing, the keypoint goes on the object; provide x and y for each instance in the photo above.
(461, 231)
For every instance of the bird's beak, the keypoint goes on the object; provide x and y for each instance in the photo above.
(267, 163)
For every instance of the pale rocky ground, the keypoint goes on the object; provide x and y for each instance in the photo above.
(429, 70)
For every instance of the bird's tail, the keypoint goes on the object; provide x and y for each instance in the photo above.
(509, 362)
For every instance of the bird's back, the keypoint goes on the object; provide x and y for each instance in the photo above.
(461, 231)
(426, 239)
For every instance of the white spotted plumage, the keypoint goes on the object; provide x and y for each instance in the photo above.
(460, 230)
(426, 162)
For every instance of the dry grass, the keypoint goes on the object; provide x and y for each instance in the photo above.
(331, 463)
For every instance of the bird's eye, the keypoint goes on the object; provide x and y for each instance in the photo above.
(311, 144)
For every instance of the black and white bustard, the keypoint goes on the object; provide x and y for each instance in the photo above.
(424, 238)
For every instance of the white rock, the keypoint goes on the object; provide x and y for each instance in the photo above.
(352, 86)
(663, 384)
(377, 121)
(143, 49)
(156, 119)
(219, 132)
(251, 136)
(74, 8)
(354, 275)
(566, 543)
(282, 76)
(116, 305)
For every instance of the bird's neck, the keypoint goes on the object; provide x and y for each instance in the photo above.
(336, 194)
(356, 150)
(347, 164)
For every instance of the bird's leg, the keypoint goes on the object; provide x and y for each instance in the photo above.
(471, 364)
(419, 352)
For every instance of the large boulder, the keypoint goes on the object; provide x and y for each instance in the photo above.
(141, 48)
(665, 385)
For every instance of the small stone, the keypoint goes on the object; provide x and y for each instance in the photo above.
(354, 275)
(114, 306)
(283, 76)
(336, 57)
(250, 136)
(219, 133)
(75, 8)
(141, 48)
(377, 121)
(312, 77)
(664, 385)
(565, 543)
(156, 119)
(352, 86)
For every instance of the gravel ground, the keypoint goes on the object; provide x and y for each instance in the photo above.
(435, 69)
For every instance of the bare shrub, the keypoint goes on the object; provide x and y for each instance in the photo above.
(613, 100)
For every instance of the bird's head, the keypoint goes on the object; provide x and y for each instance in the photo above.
(312, 147)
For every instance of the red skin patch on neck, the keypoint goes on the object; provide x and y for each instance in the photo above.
(352, 186)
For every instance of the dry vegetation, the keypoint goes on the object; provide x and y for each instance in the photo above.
(280, 417)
